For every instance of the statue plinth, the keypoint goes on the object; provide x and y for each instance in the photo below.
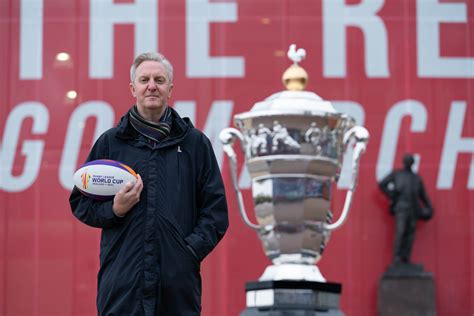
(406, 289)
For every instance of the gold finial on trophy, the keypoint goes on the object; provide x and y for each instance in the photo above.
(295, 78)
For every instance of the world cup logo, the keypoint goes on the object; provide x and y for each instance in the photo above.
(85, 180)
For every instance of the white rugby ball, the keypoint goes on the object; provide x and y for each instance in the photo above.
(101, 179)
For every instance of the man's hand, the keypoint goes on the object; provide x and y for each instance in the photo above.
(127, 197)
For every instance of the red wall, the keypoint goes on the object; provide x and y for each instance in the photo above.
(406, 66)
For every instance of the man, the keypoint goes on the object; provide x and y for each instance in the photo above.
(405, 189)
(155, 232)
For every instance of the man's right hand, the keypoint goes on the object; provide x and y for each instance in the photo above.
(127, 197)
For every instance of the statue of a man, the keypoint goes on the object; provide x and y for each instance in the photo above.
(405, 190)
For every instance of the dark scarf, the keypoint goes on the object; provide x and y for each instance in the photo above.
(155, 132)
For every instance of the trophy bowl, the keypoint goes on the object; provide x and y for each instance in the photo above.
(293, 143)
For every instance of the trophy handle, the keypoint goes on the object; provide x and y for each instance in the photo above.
(228, 136)
(361, 137)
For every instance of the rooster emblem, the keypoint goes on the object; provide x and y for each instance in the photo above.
(296, 55)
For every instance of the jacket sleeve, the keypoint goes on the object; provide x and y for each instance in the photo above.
(89, 211)
(211, 203)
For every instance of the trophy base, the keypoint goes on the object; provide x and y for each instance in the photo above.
(292, 271)
(289, 297)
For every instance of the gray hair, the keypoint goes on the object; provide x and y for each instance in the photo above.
(152, 56)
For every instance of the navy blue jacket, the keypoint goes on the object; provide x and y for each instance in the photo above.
(150, 259)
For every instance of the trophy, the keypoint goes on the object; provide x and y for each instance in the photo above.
(293, 143)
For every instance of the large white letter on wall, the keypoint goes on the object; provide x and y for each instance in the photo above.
(105, 116)
(31, 149)
(199, 63)
(337, 16)
(429, 15)
(104, 14)
(454, 144)
(391, 133)
(31, 39)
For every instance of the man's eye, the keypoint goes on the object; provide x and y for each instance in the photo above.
(143, 80)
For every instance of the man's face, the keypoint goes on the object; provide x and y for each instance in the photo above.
(151, 87)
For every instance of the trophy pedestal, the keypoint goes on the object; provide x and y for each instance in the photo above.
(292, 271)
(290, 297)
(405, 289)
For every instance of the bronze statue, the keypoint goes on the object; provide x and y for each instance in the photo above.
(405, 189)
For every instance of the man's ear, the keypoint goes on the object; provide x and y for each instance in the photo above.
(170, 90)
(132, 89)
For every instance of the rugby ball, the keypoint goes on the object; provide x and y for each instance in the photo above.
(101, 179)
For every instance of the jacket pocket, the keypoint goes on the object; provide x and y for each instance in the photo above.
(178, 236)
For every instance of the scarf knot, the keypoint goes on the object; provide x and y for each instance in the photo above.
(155, 132)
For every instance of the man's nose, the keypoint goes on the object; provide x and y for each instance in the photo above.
(152, 86)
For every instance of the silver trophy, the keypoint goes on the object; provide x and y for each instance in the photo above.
(293, 143)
